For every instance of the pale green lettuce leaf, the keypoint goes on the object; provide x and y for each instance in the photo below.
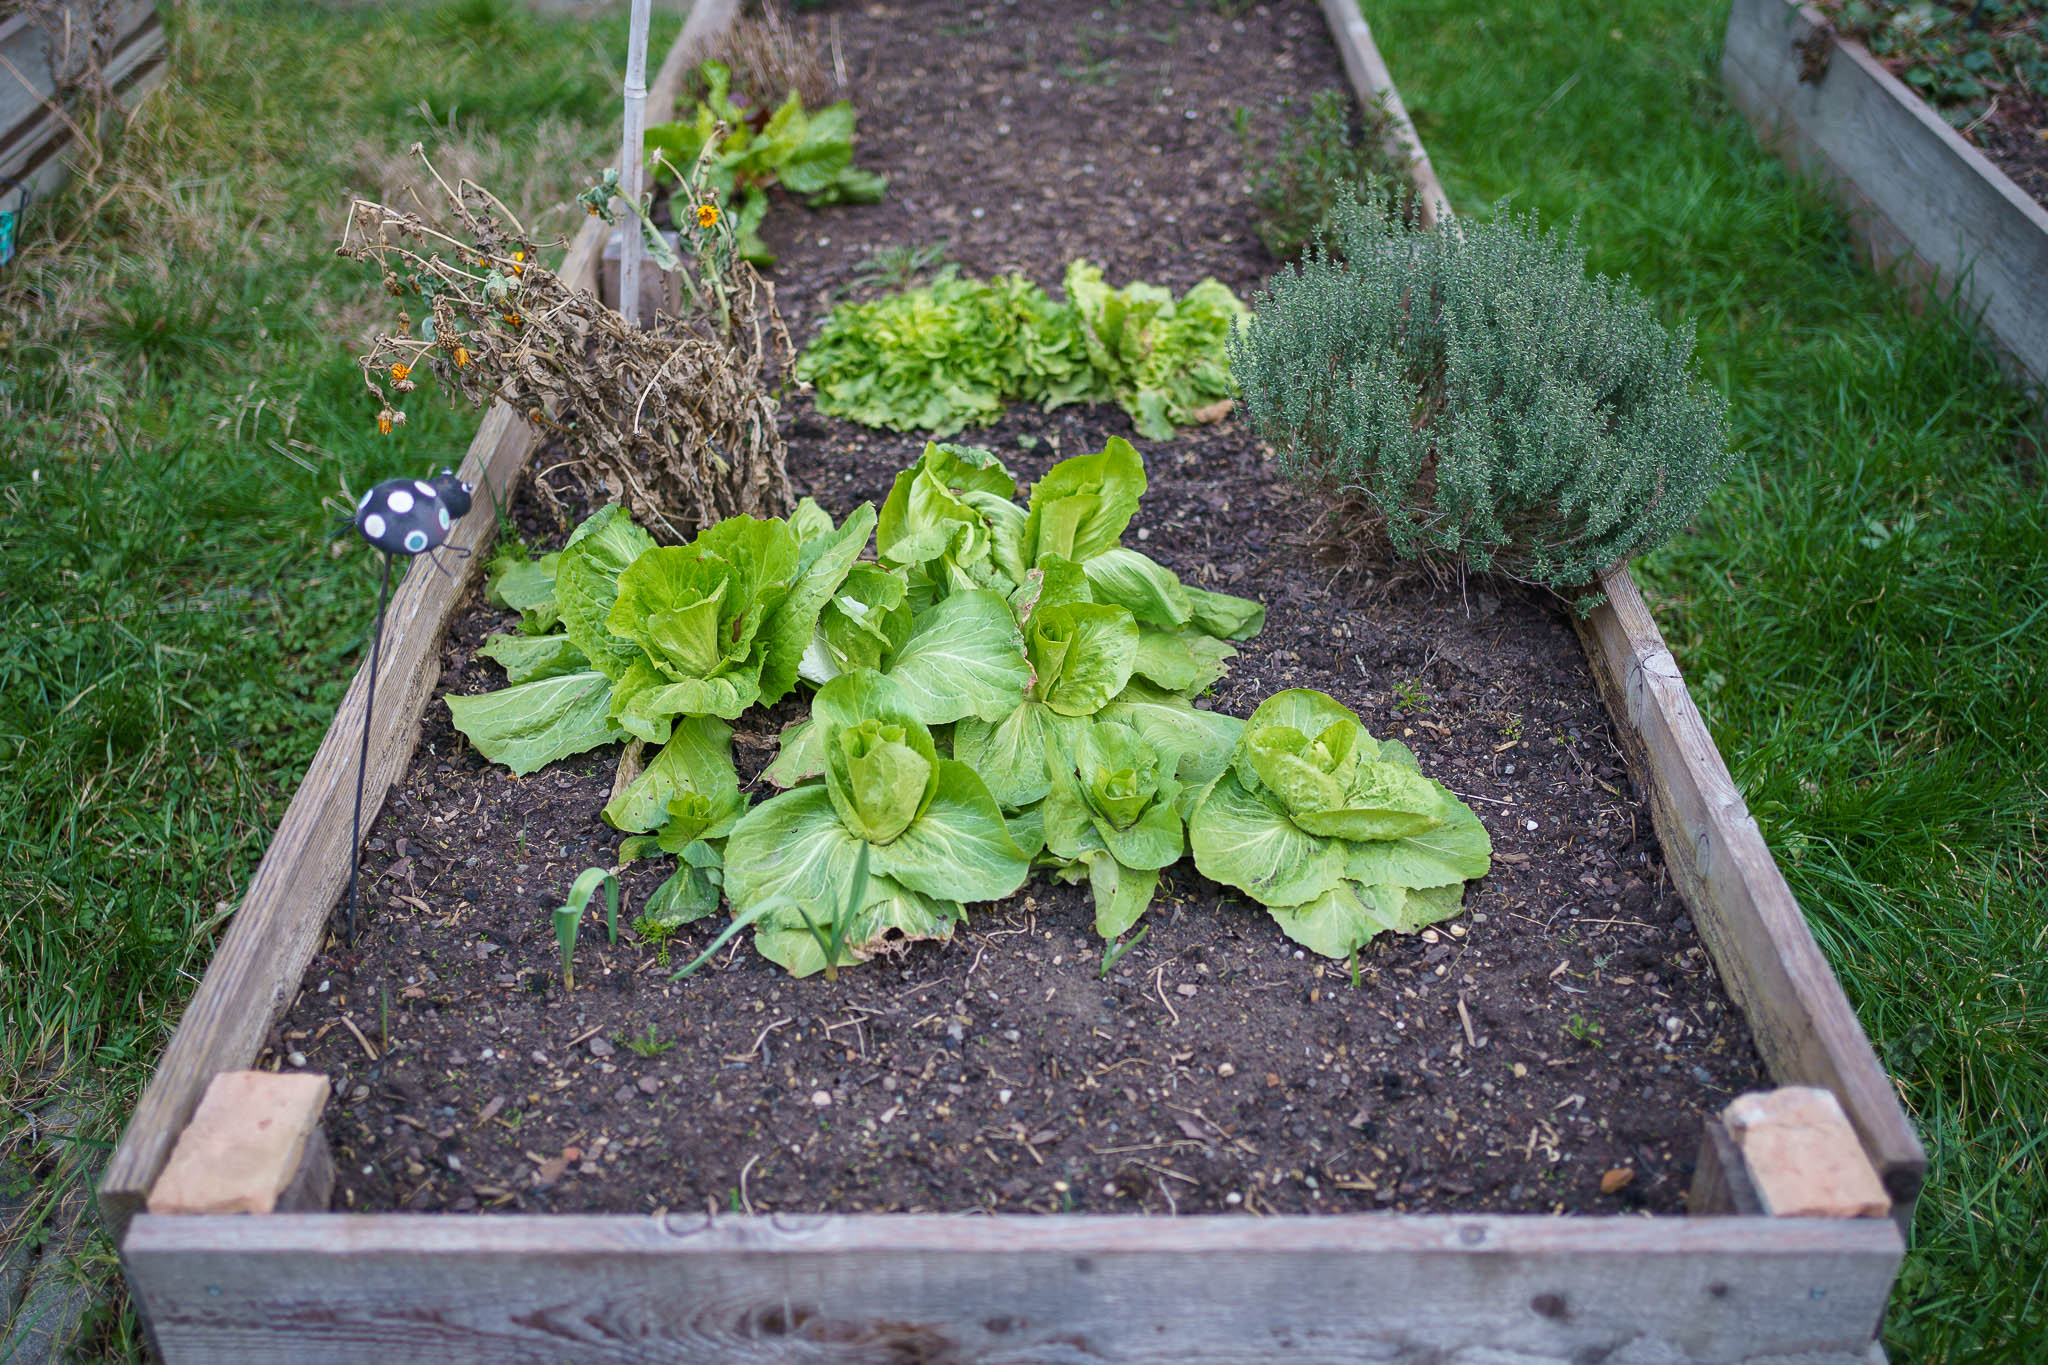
(1352, 913)
(1122, 893)
(958, 849)
(1082, 654)
(1243, 838)
(1223, 616)
(587, 585)
(533, 724)
(823, 565)
(526, 658)
(964, 657)
(1454, 852)
(1010, 754)
(1082, 505)
(1147, 589)
(697, 758)
(1203, 740)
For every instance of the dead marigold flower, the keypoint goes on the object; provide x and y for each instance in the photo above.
(399, 372)
(461, 356)
(519, 263)
(511, 319)
(384, 422)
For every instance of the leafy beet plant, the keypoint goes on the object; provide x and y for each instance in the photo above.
(1004, 685)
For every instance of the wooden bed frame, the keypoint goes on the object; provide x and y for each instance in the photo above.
(1022, 1289)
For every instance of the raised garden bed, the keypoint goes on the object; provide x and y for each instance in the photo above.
(1916, 192)
(1213, 1070)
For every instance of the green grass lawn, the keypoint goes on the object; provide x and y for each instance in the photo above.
(1862, 611)
(182, 410)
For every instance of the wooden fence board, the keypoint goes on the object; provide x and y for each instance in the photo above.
(1914, 189)
(1012, 1289)
(285, 912)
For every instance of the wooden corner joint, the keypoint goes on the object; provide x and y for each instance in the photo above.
(254, 1145)
(1787, 1153)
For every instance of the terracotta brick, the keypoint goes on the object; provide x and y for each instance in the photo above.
(1803, 1156)
(254, 1134)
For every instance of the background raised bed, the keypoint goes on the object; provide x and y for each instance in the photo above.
(1919, 195)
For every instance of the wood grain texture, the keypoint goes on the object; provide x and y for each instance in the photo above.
(1746, 913)
(1720, 1181)
(1371, 81)
(33, 134)
(1014, 1290)
(1915, 190)
(284, 914)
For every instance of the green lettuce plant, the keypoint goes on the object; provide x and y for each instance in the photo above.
(1110, 816)
(953, 353)
(1338, 834)
(806, 152)
(933, 836)
(1163, 359)
(1004, 682)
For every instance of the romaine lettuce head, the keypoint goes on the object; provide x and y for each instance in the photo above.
(696, 612)
(933, 834)
(1082, 505)
(1338, 834)
(1317, 758)
(1114, 792)
(949, 520)
(587, 586)
(1081, 653)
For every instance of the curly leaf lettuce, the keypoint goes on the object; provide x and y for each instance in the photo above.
(1161, 358)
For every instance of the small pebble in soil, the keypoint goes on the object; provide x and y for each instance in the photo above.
(600, 1048)
(648, 1085)
(623, 1093)
(296, 1059)
(1529, 824)
(1233, 1198)
(821, 1098)
(1226, 1071)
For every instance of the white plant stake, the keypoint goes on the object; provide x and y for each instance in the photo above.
(631, 164)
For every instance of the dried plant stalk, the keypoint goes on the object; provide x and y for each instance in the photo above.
(770, 57)
(673, 419)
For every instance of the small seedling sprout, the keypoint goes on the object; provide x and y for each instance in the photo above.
(1114, 953)
(831, 938)
(570, 915)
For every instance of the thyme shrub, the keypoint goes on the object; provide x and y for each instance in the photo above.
(1482, 396)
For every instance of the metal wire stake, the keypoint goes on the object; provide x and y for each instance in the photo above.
(355, 838)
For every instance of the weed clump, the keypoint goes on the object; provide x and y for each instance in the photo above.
(1321, 152)
(1484, 400)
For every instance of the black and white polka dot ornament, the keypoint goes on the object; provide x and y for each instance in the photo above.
(412, 516)
(399, 517)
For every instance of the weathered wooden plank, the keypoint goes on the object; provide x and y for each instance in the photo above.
(1371, 81)
(1720, 1181)
(1747, 915)
(1914, 189)
(1015, 1289)
(33, 133)
(285, 911)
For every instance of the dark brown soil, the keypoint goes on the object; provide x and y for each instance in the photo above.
(1564, 1030)
(2015, 138)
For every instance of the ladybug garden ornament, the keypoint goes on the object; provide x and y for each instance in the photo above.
(412, 516)
(400, 517)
